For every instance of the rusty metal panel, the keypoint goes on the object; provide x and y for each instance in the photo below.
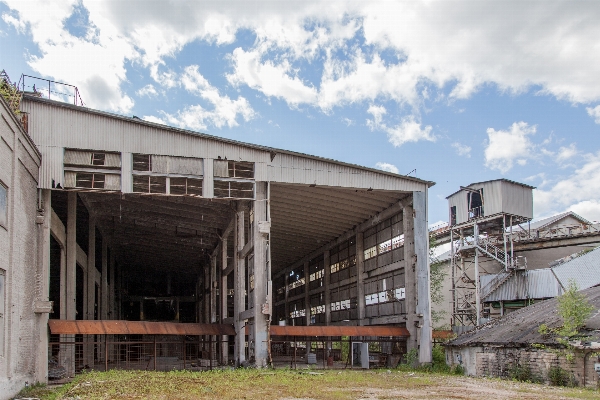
(109, 327)
(395, 331)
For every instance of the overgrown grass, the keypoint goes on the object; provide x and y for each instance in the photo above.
(291, 384)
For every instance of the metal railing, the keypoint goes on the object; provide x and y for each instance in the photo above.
(59, 94)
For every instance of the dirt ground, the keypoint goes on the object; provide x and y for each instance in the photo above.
(298, 385)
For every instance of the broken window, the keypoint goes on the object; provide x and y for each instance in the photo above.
(181, 186)
(142, 162)
(98, 158)
(90, 180)
(233, 189)
(475, 199)
(241, 169)
(452, 215)
(149, 184)
(3, 205)
(384, 237)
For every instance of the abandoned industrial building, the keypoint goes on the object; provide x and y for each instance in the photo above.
(133, 244)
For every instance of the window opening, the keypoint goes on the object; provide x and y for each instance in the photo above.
(90, 180)
(98, 158)
(452, 215)
(142, 162)
(3, 205)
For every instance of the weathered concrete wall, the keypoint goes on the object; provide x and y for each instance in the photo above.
(498, 361)
(19, 265)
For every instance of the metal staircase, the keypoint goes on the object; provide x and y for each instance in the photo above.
(498, 254)
(496, 283)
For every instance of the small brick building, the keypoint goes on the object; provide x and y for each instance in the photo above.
(496, 347)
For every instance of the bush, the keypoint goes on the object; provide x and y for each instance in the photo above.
(561, 377)
(521, 373)
(457, 369)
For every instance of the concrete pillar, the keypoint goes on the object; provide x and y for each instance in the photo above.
(360, 286)
(422, 272)
(104, 280)
(91, 268)
(239, 297)
(41, 364)
(326, 284)
(286, 306)
(410, 301)
(67, 353)
(223, 299)
(307, 302)
(111, 292)
(262, 280)
(71, 256)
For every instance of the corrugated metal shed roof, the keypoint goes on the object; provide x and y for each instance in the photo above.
(584, 270)
(522, 285)
(493, 180)
(151, 125)
(555, 218)
(520, 328)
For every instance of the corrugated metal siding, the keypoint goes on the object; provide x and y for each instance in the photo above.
(535, 284)
(287, 168)
(584, 270)
(52, 125)
(517, 200)
(51, 168)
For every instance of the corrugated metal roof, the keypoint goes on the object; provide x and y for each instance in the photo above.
(109, 327)
(152, 132)
(520, 328)
(493, 180)
(555, 218)
(522, 285)
(584, 270)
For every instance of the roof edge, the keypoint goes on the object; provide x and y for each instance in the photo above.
(220, 139)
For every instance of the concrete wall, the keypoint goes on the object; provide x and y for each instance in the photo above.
(497, 362)
(20, 246)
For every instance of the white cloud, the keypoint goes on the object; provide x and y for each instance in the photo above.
(462, 149)
(148, 91)
(566, 153)
(347, 121)
(152, 118)
(276, 80)
(578, 192)
(505, 147)
(409, 129)
(387, 167)
(594, 113)
(456, 46)
(16, 23)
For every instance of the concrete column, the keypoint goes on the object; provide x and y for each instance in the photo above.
(287, 292)
(261, 279)
(327, 266)
(307, 302)
(111, 292)
(360, 286)
(422, 272)
(41, 364)
(410, 301)
(239, 297)
(208, 179)
(213, 289)
(91, 268)
(223, 298)
(104, 280)
(306, 292)
(71, 256)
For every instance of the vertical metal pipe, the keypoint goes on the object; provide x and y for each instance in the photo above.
(477, 299)
(504, 236)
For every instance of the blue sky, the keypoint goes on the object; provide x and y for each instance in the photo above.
(458, 91)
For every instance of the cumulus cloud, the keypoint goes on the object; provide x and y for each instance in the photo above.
(566, 152)
(594, 113)
(409, 129)
(573, 192)
(148, 91)
(506, 147)
(462, 149)
(387, 167)
(514, 45)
